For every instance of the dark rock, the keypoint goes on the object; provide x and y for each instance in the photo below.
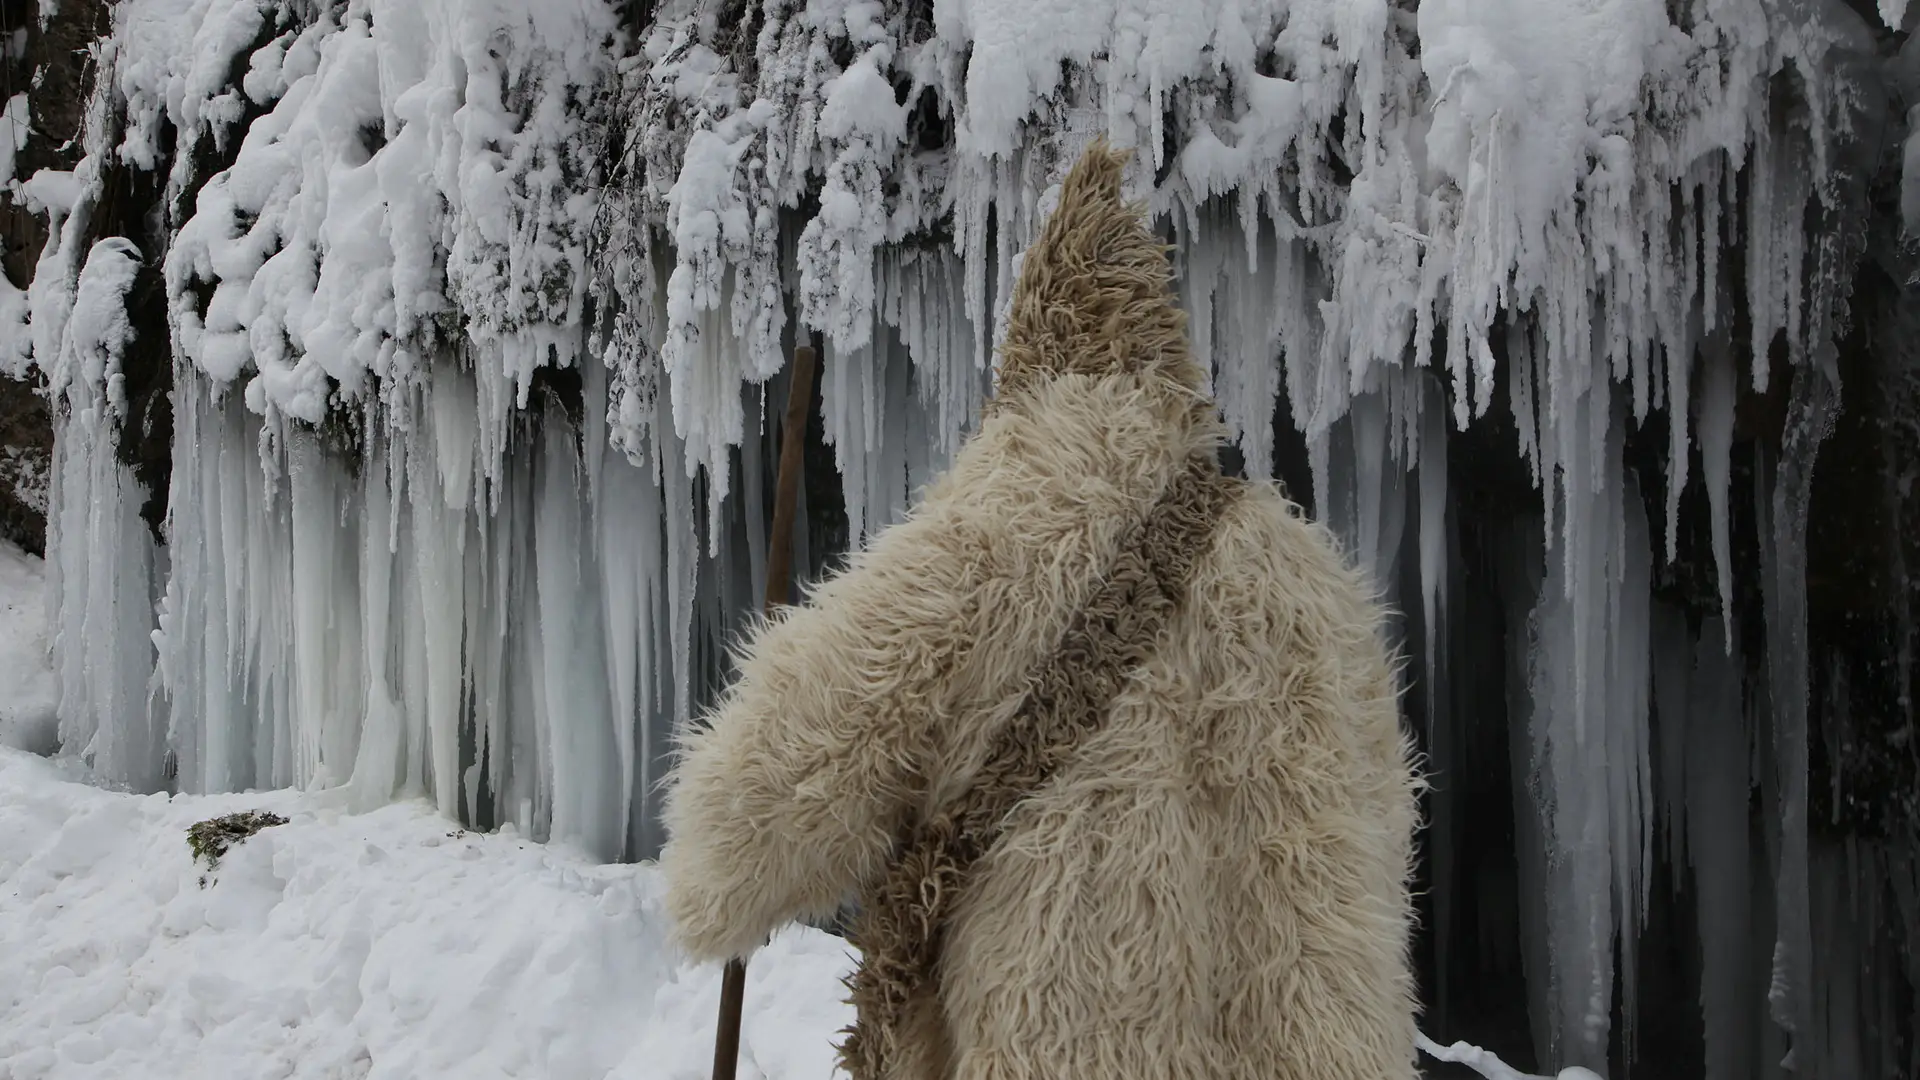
(56, 65)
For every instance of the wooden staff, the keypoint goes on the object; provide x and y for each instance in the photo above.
(733, 981)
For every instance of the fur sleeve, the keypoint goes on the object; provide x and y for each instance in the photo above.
(792, 794)
(846, 708)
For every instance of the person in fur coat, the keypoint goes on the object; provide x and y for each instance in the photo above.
(1211, 880)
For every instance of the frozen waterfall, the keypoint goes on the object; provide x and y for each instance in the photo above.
(452, 335)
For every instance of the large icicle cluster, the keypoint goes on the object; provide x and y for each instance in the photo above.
(472, 421)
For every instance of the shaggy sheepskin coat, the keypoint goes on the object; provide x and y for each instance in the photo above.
(1214, 884)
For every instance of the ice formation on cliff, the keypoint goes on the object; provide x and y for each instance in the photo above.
(396, 560)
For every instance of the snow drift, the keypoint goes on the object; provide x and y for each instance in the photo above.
(388, 944)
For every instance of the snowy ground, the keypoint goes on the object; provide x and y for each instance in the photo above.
(387, 944)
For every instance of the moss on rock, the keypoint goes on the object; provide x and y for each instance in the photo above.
(210, 839)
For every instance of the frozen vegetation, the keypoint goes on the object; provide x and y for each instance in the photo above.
(418, 367)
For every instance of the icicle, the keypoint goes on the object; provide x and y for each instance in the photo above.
(1250, 324)
(1525, 591)
(1434, 544)
(890, 493)
(632, 560)
(1520, 375)
(1679, 442)
(759, 454)
(682, 562)
(324, 603)
(1718, 849)
(1672, 708)
(1712, 283)
(1202, 278)
(438, 569)
(1629, 767)
(460, 439)
(1378, 510)
(1810, 417)
(491, 650)
(1576, 890)
(189, 637)
(623, 528)
(241, 675)
(476, 724)
(104, 561)
(378, 771)
(527, 792)
(105, 572)
(588, 796)
(1717, 390)
(924, 300)
(1590, 759)
(853, 401)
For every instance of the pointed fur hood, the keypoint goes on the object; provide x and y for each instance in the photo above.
(1094, 295)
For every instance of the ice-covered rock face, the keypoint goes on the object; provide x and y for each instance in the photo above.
(26, 444)
(1585, 323)
(37, 126)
